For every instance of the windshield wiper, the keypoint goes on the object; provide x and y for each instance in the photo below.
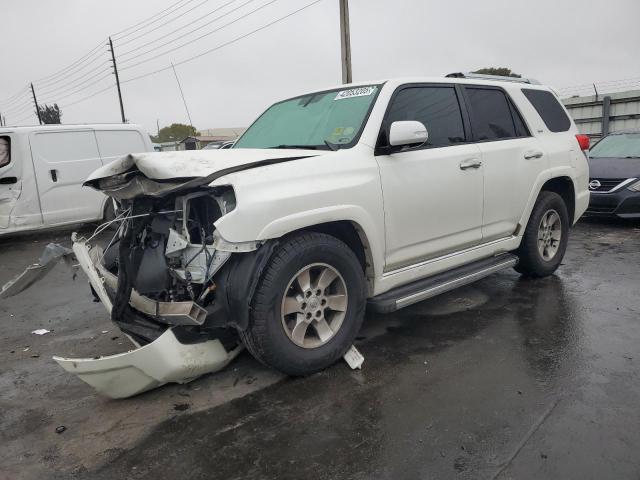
(299, 147)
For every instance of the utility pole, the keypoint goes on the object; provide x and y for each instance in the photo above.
(345, 42)
(36, 102)
(115, 71)
(181, 93)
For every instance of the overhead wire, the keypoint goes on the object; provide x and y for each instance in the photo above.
(162, 24)
(270, 2)
(80, 89)
(222, 45)
(164, 37)
(160, 16)
(16, 96)
(48, 78)
(184, 61)
(73, 84)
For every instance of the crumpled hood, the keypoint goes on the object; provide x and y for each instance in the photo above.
(195, 163)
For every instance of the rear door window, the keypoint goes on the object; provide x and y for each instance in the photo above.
(493, 117)
(549, 109)
(436, 107)
(5, 151)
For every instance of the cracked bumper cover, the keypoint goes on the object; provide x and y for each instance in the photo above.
(165, 360)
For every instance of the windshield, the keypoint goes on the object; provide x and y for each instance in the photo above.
(621, 145)
(325, 121)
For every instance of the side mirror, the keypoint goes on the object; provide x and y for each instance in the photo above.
(407, 133)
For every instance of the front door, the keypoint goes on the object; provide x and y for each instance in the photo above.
(433, 195)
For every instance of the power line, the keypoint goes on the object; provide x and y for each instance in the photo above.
(80, 89)
(47, 78)
(222, 45)
(159, 15)
(183, 27)
(15, 96)
(189, 59)
(110, 87)
(79, 69)
(74, 84)
(192, 41)
(24, 118)
(191, 31)
(163, 24)
(19, 108)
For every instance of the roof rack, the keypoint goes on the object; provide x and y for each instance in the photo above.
(498, 78)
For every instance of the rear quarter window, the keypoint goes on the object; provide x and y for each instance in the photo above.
(549, 109)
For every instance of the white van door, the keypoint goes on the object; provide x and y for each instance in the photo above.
(114, 144)
(62, 161)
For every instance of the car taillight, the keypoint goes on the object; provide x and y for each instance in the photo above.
(583, 141)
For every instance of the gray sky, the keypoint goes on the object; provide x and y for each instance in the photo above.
(560, 42)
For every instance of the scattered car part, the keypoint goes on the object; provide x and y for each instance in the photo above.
(50, 256)
(163, 361)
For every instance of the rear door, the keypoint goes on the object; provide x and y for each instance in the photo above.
(62, 161)
(432, 194)
(512, 159)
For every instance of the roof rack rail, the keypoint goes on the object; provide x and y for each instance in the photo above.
(499, 78)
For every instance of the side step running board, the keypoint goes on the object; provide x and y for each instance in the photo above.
(419, 290)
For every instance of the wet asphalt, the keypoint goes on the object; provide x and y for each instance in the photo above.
(508, 378)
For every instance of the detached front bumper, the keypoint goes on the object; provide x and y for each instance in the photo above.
(165, 360)
(623, 203)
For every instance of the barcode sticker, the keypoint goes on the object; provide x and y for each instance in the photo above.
(355, 92)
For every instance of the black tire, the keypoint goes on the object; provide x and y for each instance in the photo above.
(266, 337)
(532, 263)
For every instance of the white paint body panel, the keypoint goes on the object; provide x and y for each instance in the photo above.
(165, 360)
(36, 200)
(418, 213)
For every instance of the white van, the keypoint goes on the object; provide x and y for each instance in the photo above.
(42, 169)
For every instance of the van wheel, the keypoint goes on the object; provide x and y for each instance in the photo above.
(545, 239)
(308, 306)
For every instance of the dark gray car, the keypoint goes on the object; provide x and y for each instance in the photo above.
(614, 176)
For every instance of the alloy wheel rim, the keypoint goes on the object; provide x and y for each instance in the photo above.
(549, 235)
(314, 305)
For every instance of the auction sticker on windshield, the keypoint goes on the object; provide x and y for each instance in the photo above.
(355, 92)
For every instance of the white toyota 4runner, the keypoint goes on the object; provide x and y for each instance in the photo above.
(378, 194)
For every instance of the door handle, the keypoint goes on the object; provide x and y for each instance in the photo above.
(532, 154)
(8, 180)
(54, 175)
(472, 163)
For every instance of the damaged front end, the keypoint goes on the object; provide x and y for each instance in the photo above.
(170, 282)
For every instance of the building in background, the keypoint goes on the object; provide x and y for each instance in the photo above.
(211, 135)
(597, 115)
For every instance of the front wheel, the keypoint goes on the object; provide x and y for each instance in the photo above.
(545, 239)
(308, 305)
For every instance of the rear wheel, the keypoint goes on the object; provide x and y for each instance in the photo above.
(545, 239)
(308, 305)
